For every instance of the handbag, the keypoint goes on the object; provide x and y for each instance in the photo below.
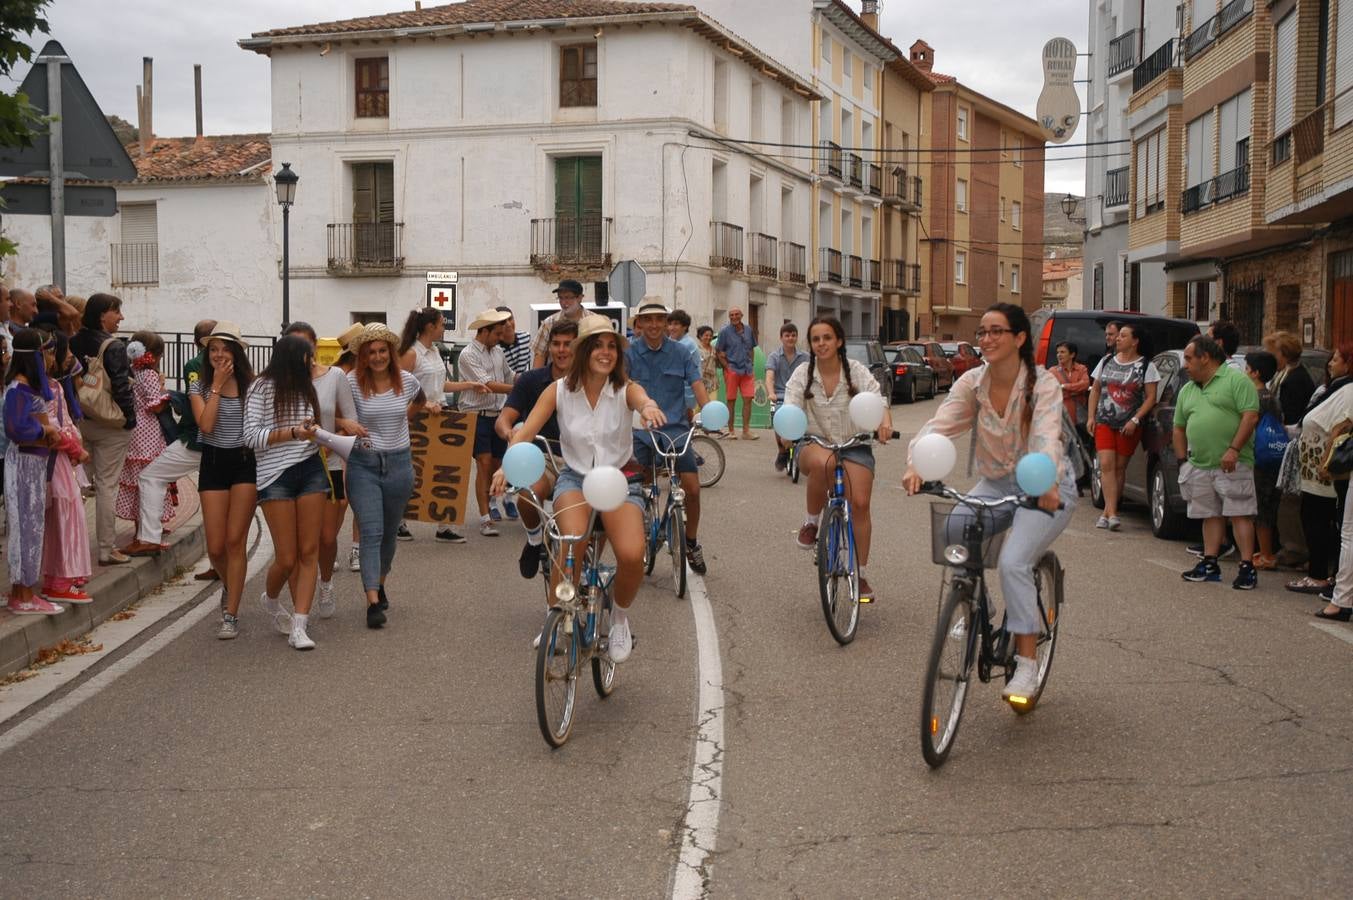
(96, 392)
(1289, 471)
(1339, 462)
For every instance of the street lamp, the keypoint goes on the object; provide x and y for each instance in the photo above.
(286, 195)
(1069, 205)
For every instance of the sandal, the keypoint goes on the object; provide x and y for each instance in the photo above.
(1307, 585)
(1266, 563)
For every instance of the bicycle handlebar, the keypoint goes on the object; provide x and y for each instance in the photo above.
(671, 451)
(857, 440)
(940, 489)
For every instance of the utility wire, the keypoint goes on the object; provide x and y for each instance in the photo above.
(1020, 148)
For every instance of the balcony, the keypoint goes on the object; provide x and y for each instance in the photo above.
(135, 264)
(899, 277)
(1211, 31)
(829, 159)
(855, 171)
(761, 256)
(1214, 190)
(793, 262)
(365, 248)
(911, 278)
(874, 184)
(902, 190)
(726, 246)
(1154, 66)
(874, 268)
(829, 265)
(1123, 52)
(855, 271)
(1308, 135)
(1116, 188)
(582, 242)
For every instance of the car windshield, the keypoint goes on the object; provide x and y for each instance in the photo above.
(858, 352)
(949, 349)
(890, 354)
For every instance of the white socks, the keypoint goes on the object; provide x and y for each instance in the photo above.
(810, 519)
(534, 536)
(299, 621)
(619, 616)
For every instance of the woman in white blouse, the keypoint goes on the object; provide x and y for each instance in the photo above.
(594, 403)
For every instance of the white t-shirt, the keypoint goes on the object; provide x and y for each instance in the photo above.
(430, 371)
(591, 437)
(335, 401)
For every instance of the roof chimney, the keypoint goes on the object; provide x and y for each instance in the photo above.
(197, 95)
(145, 104)
(869, 12)
(922, 56)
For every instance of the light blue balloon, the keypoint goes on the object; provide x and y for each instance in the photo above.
(714, 415)
(523, 464)
(791, 423)
(1036, 474)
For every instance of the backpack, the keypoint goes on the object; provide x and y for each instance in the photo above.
(96, 392)
(1270, 443)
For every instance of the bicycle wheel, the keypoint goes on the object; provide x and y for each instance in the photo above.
(947, 674)
(1048, 582)
(709, 458)
(556, 678)
(650, 534)
(794, 466)
(838, 579)
(676, 548)
(603, 670)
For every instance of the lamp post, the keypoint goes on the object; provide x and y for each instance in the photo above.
(1069, 205)
(286, 195)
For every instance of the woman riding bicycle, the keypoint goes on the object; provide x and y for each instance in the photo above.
(1017, 409)
(594, 403)
(823, 389)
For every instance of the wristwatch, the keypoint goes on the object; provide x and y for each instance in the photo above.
(1135, 421)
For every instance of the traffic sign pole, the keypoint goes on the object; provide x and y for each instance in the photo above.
(56, 170)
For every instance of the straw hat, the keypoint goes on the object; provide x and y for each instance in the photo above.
(652, 305)
(488, 318)
(346, 337)
(594, 323)
(224, 331)
(373, 331)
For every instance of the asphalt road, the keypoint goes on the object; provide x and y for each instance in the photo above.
(1193, 740)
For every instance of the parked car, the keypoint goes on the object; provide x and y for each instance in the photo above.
(1153, 472)
(963, 355)
(870, 353)
(912, 378)
(1315, 361)
(933, 354)
(1085, 329)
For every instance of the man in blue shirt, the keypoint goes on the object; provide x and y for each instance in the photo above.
(737, 353)
(678, 329)
(780, 364)
(665, 369)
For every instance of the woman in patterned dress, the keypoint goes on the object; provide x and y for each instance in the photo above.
(66, 562)
(148, 396)
(30, 438)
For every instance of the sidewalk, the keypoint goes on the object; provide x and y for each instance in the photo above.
(114, 588)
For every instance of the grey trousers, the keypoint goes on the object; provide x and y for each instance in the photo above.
(107, 451)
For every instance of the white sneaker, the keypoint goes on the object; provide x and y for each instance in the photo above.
(487, 529)
(272, 607)
(621, 642)
(355, 559)
(299, 639)
(326, 605)
(1025, 681)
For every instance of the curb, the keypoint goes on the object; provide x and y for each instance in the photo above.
(22, 638)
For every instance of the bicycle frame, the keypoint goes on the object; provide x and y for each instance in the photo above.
(836, 491)
(676, 494)
(577, 599)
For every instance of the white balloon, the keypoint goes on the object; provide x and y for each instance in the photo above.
(933, 457)
(605, 488)
(866, 410)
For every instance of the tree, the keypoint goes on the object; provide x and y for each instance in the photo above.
(20, 123)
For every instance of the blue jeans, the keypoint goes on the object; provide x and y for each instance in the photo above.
(379, 486)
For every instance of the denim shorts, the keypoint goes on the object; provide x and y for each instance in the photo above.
(570, 480)
(862, 455)
(305, 477)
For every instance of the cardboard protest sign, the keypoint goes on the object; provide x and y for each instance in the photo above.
(442, 446)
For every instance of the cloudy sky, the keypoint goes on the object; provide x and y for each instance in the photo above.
(991, 46)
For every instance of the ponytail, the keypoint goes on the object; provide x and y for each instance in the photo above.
(808, 389)
(845, 369)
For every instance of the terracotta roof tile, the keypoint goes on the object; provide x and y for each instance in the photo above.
(213, 157)
(472, 11)
(941, 79)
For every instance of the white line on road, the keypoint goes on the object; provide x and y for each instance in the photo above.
(1172, 565)
(700, 830)
(261, 556)
(1342, 634)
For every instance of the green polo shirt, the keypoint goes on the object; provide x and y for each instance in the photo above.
(1210, 416)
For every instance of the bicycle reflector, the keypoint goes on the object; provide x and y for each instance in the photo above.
(956, 554)
(1016, 700)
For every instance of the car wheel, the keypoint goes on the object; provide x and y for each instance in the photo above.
(1096, 484)
(934, 389)
(1165, 522)
(909, 395)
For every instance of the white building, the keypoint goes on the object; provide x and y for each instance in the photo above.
(516, 152)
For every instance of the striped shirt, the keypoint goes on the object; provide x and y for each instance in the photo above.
(260, 421)
(385, 416)
(519, 353)
(483, 364)
(228, 430)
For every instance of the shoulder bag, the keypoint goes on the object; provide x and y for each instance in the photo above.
(96, 392)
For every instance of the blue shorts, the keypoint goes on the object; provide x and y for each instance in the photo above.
(645, 454)
(305, 477)
(570, 480)
(486, 440)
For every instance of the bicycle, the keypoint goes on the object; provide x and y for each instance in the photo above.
(576, 628)
(709, 458)
(670, 525)
(837, 564)
(792, 454)
(963, 633)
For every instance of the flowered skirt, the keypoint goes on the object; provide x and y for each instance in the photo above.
(25, 507)
(65, 545)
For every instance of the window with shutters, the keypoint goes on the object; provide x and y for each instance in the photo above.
(136, 260)
(372, 99)
(1149, 160)
(1014, 278)
(1343, 64)
(1233, 133)
(962, 123)
(1016, 215)
(1284, 85)
(961, 196)
(1198, 167)
(961, 267)
(578, 230)
(578, 74)
(1000, 268)
(371, 238)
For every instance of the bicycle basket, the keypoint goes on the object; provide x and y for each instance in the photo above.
(943, 532)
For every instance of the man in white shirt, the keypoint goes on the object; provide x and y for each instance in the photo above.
(483, 361)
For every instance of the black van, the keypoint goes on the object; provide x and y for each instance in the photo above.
(1085, 329)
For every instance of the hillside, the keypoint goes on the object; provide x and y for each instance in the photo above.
(1060, 234)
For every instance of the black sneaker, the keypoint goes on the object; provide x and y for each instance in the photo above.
(449, 535)
(384, 602)
(404, 534)
(1206, 570)
(375, 616)
(1246, 579)
(529, 561)
(695, 556)
(781, 461)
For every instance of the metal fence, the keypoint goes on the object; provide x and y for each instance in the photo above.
(179, 348)
(135, 264)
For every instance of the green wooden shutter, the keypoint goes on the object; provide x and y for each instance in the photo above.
(577, 206)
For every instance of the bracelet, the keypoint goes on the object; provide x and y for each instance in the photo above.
(293, 432)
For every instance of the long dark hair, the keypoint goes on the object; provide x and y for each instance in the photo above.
(414, 325)
(293, 393)
(1018, 321)
(835, 325)
(26, 359)
(305, 330)
(582, 354)
(244, 372)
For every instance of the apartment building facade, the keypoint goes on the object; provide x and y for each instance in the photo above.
(906, 111)
(518, 151)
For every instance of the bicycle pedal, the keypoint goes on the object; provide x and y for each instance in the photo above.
(864, 600)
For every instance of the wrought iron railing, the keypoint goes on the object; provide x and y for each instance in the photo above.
(793, 262)
(874, 173)
(1224, 186)
(829, 265)
(855, 170)
(725, 246)
(829, 159)
(1154, 66)
(1232, 14)
(1117, 190)
(1200, 38)
(576, 241)
(874, 274)
(916, 191)
(135, 264)
(855, 271)
(895, 186)
(1123, 51)
(911, 278)
(761, 255)
(365, 246)
(179, 347)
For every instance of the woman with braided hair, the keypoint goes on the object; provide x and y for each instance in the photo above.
(1011, 407)
(823, 389)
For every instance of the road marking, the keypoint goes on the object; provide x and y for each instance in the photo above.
(260, 557)
(1172, 565)
(1342, 634)
(700, 828)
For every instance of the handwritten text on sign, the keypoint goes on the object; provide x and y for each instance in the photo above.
(442, 445)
